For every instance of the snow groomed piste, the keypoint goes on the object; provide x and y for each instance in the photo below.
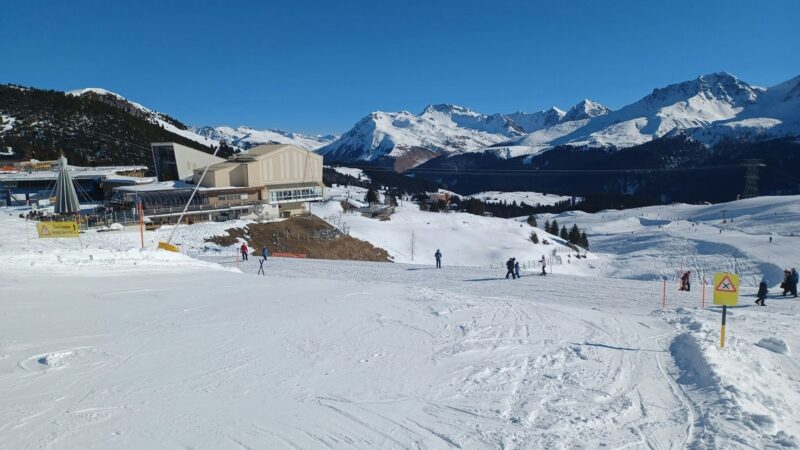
(111, 346)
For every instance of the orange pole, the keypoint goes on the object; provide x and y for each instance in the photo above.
(141, 223)
(664, 296)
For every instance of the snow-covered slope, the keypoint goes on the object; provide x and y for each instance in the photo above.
(123, 348)
(246, 137)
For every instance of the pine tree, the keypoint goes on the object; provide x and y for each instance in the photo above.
(547, 226)
(532, 220)
(564, 234)
(584, 240)
(554, 228)
(534, 238)
(575, 235)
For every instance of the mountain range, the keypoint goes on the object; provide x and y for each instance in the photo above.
(708, 109)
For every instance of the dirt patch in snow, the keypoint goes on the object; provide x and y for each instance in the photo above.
(307, 235)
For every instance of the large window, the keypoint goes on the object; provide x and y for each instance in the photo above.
(164, 160)
(299, 194)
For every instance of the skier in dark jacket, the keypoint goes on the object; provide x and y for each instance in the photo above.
(686, 281)
(787, 281)
(264, 253)
(510, 267)
(794, 281)
(762, 292)
(516, 269)
(438, 256)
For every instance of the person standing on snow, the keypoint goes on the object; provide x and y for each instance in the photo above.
(544, 265)
(762, 292)
(516, 269)
(244, 250)
(438, 256)
(510, 267)
(686, 280)
(787, 281)
(264, 253)
(795, 280)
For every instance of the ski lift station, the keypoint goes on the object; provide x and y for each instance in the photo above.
(268, 181)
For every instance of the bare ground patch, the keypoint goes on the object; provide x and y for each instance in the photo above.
(309, 235)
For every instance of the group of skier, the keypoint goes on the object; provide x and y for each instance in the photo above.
(789, 286)
(512, 265)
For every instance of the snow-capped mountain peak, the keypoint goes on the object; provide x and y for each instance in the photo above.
(245, 137)
(586, 109)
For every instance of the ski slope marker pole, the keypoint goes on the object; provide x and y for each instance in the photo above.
(664, 296)
(704, 293)
(141, 222)
(722, 329)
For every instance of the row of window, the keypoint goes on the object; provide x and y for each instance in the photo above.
(294, 195)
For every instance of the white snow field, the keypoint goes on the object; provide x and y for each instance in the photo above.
(112, 347)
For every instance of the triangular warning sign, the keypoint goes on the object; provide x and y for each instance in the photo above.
(725, 285)
(45, 231)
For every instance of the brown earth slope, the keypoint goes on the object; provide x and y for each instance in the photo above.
(307, 235)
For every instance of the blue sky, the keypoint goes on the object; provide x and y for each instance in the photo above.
(318, 67)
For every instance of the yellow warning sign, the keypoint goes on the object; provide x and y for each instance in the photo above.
(726, 289)
(57, 229)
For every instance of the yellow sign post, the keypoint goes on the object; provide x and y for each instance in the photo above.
(58, 229)
(726, 293)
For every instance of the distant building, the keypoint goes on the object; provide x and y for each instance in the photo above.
(173, 161)
(32, 181)
(287, 176)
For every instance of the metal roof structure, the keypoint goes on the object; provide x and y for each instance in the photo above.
(66, 197)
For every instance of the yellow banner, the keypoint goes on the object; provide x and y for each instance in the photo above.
(57, 229)
(726, 289)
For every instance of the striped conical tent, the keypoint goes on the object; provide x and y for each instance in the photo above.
(66, 198)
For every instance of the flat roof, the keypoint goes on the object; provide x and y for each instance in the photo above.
(77, 173)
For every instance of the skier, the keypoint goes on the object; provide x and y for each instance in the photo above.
(516, 269)
(244, 250)
(438, 256)
(265, 253)
(787, 282)
(510, 266)
(544, 265)
(795, 280)
(762, 292)
(686, 281)
(770, 239)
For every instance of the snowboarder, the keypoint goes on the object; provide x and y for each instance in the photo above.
(264, 253)
(510, 266)
(793, 284)
(762, 292)
(244, 250)
(770, 239)
(438, 256)
(516, 269)
(686, 281)
(544, 265)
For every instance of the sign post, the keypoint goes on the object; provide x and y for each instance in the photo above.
(726, 293)
(57, 229)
